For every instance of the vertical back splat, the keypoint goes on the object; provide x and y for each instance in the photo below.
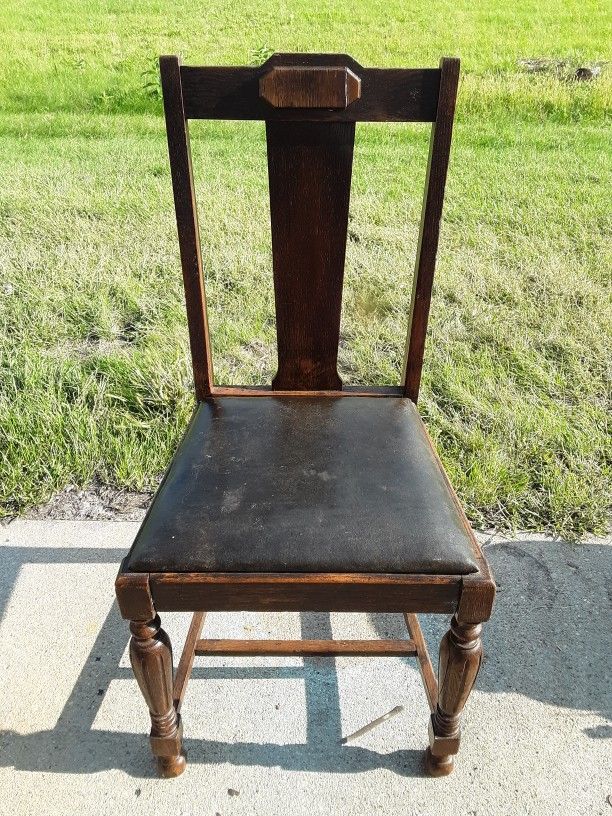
(309, 169)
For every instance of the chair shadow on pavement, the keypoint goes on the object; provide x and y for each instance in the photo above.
(547, 640)
(549, 637)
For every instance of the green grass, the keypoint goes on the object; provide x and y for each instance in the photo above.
(94, 371)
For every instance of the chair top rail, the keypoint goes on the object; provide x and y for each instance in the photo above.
(385, 94)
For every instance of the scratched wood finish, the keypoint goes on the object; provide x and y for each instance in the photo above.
(309, 171)
(429, 234)
(310, 87)
(314, 592)
(187, 224)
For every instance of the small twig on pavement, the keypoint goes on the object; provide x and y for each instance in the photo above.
(374, 724)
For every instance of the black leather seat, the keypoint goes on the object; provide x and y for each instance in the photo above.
(303, 484)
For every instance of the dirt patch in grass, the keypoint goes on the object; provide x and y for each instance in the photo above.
(564, 70)
(96, 502)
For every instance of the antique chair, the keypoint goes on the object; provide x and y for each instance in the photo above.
(306, 496)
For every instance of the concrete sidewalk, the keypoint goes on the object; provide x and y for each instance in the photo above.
(263, 735)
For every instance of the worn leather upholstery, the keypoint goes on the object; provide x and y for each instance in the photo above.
(304, 484)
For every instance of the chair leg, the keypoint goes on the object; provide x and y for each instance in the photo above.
(460, 656)
(151, 658)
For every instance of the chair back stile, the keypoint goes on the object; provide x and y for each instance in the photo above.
(310, 104)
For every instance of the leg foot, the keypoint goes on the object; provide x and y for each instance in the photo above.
(169, 767)
(438, 765)
(151, 658)
(460, 656)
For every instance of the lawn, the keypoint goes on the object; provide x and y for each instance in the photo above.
(94, 371)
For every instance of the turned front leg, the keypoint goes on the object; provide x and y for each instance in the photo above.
(460, 656)
(151, 658)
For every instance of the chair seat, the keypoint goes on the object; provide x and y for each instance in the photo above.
(305, 484)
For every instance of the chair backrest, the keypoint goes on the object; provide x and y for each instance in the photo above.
(310, 104)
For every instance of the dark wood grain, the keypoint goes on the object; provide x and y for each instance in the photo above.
(427, 673)
(268, 391)
(186, 662)
(306, 648)
(427, 248)
(310, 103)
(151, 659)
(310, 87)
(133, 595)
(477, 596)
(387, 94)
(460, 658)
(309, 170)
(187, 224)
(318, 592)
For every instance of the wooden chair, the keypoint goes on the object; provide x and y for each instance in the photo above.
(306, 495)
